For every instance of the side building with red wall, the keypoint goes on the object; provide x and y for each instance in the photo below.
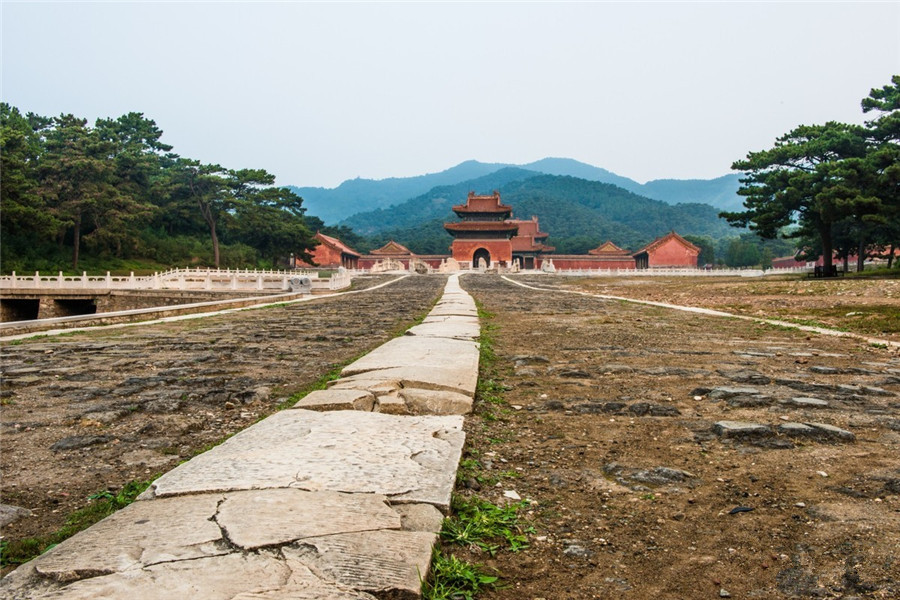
(332, 253)
(668, 251)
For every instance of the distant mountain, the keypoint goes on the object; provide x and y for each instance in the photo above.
(357, 195)
(435, 204)
(577, 213)
(334, 205)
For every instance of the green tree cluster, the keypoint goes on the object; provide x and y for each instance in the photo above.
(114, 191)
(839, 183)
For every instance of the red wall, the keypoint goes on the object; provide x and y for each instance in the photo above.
(672, 254)
(575, 261)
(463, 250)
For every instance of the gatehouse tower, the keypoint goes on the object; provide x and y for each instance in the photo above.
(483, 231)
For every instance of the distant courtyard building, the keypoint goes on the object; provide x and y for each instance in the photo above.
(483, 233)
(332, 253)
(668, 251)
(393, 253)
(528, 248)
(487, 232)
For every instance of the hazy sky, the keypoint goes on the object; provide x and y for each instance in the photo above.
(317, 93)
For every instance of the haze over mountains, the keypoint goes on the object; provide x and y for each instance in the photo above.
(337, 205)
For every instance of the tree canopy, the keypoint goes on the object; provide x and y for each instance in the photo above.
(837, 182)
(114, 190)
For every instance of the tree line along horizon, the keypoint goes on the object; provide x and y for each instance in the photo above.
(112, 196)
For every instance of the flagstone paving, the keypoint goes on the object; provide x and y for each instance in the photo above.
(329, 503)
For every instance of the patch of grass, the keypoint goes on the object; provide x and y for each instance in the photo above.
(485, 525)
(101, 505)
(454, 579)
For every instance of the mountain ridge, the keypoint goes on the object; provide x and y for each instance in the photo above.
(334, 205)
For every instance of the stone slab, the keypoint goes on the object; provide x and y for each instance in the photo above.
(419, 352)
(454, 308)
(724, 392)
(10, 514)
(450, 328)
(739, 429)
(410, 459)
(259, 518)
(436, 402)
(140, 535)
(448, 378)
(805, 402)
(831, 432)
(337, 399)
(392, 404)
(211, 578)
(388, 564)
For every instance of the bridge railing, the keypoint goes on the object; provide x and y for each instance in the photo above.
(177, 279)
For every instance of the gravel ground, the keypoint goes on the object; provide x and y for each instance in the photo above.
(610, 430)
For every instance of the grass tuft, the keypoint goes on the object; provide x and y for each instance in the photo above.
(454, 579)
(101, 505)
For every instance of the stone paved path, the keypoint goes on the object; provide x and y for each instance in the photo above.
(91, 411)
(304, 504)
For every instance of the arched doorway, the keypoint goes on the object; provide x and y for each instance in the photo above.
(479, 254)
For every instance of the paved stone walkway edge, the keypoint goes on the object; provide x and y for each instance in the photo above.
(165, 314)
(342, 502)
(718, 313)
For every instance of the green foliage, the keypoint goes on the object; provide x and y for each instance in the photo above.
(839, 183)
(485, 525)
(100, 506)
(74, 194)
(578, 214)
(454, 579)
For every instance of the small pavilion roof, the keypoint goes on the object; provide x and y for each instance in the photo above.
(662, 240)
(392, 248)
(609, 249)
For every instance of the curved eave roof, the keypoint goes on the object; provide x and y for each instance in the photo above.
(481, 226)
(493, 210)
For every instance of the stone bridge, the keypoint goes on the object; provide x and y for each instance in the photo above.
(53, 296)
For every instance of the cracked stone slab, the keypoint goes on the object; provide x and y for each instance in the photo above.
(447, 378)
(385, 563)
(410, 459)
(422, 353)
(210, 578)
(139, 535)
(259, 518)
(337, 399)
(436, 402)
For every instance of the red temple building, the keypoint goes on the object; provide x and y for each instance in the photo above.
(484, 233)
(332, 253)
(670, 250)
(528, 246)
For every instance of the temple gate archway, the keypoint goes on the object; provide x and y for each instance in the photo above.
(479, 254)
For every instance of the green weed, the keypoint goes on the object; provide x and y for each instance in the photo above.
(454, 579)
(486, 525)
(101, 505)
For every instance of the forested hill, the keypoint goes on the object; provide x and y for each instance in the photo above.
(364, 195)
(578, 214)
(358, 195)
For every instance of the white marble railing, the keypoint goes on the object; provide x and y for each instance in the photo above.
(178, 279)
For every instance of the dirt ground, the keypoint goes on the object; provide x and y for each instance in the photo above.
(609, 431)
(608, 427)
(91, 411)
